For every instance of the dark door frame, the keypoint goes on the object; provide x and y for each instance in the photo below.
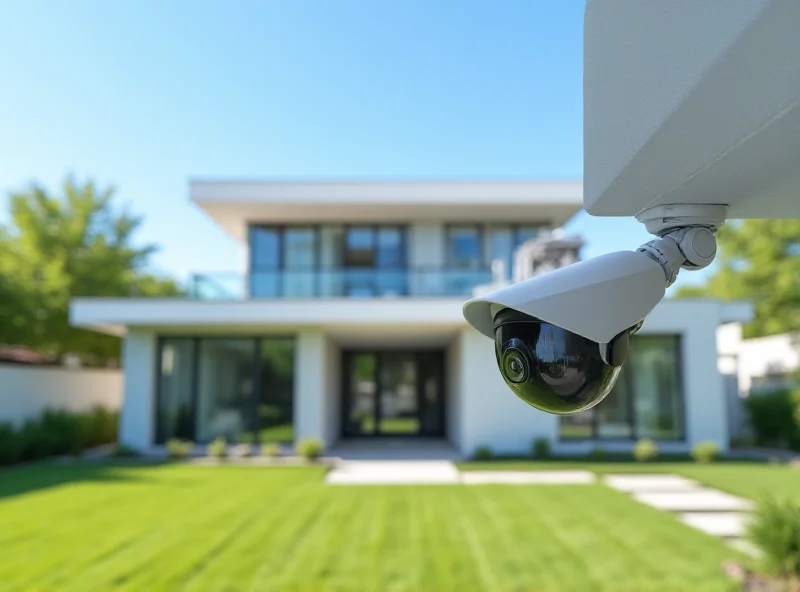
(346, 391)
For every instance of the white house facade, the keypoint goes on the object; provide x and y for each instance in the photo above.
(346, 325)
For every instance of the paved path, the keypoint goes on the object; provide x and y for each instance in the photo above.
(440, 472)
(712, 511)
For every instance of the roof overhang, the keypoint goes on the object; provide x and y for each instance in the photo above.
(232, 204)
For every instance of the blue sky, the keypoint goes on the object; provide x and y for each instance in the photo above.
(146, 94)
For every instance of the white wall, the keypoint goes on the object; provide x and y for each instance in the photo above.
(26, 391)
(309, 385)
(453, 407)
(758, 357)
(137, 421)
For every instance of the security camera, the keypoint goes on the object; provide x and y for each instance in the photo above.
(562, 338)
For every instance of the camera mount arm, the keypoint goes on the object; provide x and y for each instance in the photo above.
(686, 236)
(690, 247)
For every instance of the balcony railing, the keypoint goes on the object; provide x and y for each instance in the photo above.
(339, 283)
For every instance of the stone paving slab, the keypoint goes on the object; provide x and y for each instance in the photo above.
(698, 500)
(719, 524)
(643, 483)
(369, 472)
(527, 477)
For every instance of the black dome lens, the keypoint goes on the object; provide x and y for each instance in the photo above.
(551, 368)
(515, 365)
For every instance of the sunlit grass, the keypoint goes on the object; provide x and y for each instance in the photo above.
(243, 528)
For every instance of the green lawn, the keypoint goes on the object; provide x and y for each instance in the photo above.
(748, 479)
(182, 527)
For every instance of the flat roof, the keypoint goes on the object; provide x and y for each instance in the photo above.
(234, 203)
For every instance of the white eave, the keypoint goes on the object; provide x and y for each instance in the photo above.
(233, 204)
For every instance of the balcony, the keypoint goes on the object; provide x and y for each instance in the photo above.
(339, 283)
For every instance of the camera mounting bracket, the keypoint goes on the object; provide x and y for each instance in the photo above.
(661, 220)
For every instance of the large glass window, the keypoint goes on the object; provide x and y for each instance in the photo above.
(327, 260)
(225, 393)
(647, 400)
(225, 387)
(175, 385)
(276, 403)
(464, 247)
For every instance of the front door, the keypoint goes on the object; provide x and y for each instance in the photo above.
(393, 393)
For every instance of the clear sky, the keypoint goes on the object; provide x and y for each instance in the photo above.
(145, 94)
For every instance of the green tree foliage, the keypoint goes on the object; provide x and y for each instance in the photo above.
(61, 247)
(760, 262)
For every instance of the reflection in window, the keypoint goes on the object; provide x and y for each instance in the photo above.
(175, 416)
(238, 389)
(226, 394)
(647, 400)
(276, 401)
(463, 247)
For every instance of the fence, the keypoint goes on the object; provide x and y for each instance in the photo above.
(25, 391)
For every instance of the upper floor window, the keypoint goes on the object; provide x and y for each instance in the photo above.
(327, 260)
(475, 246)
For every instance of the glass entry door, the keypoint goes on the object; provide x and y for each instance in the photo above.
(393, 394)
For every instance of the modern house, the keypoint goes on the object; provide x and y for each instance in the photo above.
(346, 324)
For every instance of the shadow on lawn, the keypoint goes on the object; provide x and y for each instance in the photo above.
(31, 477)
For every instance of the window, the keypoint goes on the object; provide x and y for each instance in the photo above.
(464, 247)
(213, 387)
(647, 401)
(175, 386)
(473, 246)
(327, 260)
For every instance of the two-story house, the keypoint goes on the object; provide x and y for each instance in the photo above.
(346, 324)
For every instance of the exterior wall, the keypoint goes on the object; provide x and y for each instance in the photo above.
(760, 357)
(309, 386)
(137, 421)
(453, 408)
(26, 391)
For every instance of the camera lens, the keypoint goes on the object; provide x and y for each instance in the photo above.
(551, 368)
(516, 367)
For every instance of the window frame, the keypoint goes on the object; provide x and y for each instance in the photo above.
(483, 228)
(258, 340)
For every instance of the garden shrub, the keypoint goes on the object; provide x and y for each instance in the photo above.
(124, 451)
(57, 432)
(242, 450)
(483, 453)
(598, 454)
(177, 448)
(10, 444)
(774, 529)
(271, 449)
(705, 452)
(645, 450)
(310, 448)
(541, 448)
(774, 418)
(218, 448)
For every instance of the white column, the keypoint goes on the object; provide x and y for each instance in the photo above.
(137, 414)
(309, 386)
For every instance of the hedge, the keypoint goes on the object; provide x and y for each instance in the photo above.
(57, 432)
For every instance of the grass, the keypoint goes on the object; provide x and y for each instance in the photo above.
(747, 479)
(169, 527)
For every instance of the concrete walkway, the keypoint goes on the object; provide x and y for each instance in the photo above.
(441, 472)
(712, 511)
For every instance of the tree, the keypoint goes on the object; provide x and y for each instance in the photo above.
(760, 262)
(59, 248)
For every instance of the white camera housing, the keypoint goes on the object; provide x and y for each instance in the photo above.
(562, 338)
(597, 298)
